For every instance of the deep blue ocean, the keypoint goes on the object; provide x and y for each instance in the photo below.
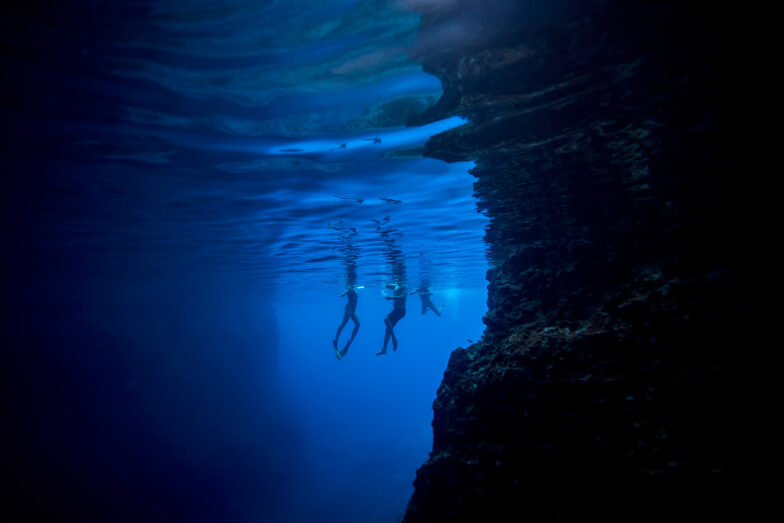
(188, 187)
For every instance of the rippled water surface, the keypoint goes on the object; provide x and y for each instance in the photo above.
(260, 138)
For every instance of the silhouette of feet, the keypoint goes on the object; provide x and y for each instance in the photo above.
(383, 351)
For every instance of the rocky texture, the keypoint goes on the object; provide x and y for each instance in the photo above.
(613, 148)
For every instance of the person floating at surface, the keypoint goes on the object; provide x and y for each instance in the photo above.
(350, 312)
(398, 298)
(424, 293)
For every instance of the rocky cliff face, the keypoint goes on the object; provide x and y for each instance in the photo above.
(613, 151)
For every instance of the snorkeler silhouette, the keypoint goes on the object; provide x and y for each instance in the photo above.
(350, 312)
(398, 298)
(350, 255)
(424, 293)
(399, 294)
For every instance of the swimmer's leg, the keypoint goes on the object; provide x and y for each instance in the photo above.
(386, 337)
(355, 319)
(346, 316)
(392, 333)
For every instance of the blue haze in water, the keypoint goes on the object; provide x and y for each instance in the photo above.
(189, 187)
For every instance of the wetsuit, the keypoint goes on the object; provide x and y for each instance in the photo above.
(351, 306)
(398, 309)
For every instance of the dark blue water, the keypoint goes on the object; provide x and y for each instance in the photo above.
(187, 189)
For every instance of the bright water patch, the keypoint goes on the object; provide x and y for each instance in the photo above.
(366, 418)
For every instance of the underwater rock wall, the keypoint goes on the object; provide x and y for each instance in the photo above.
(612, 146)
